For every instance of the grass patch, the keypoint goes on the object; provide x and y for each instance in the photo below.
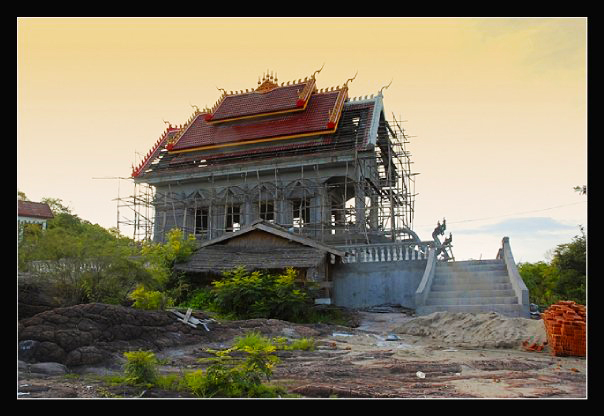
(227, 376)
(256, 340)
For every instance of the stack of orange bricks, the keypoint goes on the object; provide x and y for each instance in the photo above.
(565, 327)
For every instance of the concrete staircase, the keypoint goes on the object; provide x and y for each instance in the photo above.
(471, 286)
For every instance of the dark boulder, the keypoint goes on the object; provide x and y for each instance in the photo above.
(93, 333)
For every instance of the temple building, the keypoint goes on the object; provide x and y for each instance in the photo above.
(292, 174)
(311, 160)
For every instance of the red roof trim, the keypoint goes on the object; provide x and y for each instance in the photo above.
(152, 154)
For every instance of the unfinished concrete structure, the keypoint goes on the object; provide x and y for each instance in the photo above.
(318, 164)
(311, 160)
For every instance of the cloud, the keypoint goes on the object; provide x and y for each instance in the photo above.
(526, 227)
(531, 238)
(544, 43)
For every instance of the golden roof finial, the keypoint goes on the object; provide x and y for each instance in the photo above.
(318, 70)
(221, 89)
(350, 79)
(385, 87)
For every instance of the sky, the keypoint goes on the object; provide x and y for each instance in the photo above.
(496, 108)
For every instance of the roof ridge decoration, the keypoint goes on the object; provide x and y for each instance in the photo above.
(290, 98)
(319, 115)
(336, 112)
(308, 89)
(136, 171)
(267, 84)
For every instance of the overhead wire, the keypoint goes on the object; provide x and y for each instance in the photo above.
(510, 215)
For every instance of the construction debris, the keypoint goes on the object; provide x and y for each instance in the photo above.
(565, 327)
(191, 320)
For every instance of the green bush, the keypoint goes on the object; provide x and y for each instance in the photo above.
(200, 299)
(140, 368)
(149, 300)
(262, 295)
(160, 258)
(228, 376)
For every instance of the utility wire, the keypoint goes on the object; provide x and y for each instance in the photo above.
(510, 215)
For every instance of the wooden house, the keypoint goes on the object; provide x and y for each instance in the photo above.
(265, 246)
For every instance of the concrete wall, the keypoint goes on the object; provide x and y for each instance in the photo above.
(358, 285)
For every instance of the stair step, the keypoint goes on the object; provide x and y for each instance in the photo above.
(472, 272)
(473, 293)
(470, 262)
(512, 310)
(490, 300)
(469, 280)
(481, 265)
(436, 286)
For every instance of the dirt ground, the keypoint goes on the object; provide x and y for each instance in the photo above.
(386, 356)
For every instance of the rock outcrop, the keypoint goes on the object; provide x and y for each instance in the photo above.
(93, 333)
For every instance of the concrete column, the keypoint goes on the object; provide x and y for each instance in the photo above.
(283, 212)
(216, 220)
(374, 212)
(359, 204)
(247, 213)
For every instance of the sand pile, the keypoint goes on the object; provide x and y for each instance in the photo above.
(482, 330)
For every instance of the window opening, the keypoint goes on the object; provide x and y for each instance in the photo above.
(201, 221)
(233, 218)
(301, 212)
(267, 211)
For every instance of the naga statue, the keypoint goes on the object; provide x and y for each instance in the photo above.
(443, 248)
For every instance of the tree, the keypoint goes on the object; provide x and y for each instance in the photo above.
(57, 206)
(564, 278)
(86, 262)
(570, 262)
(540, 279)
(21, 196)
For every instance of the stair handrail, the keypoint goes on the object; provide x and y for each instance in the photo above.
(505, 253)
(421, 294)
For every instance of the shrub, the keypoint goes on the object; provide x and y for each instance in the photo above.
(252, 340)
(195, 382)
(141, 367)
(228, 376)
(161, 257)
(261, 295)
(304, 344)
(200, 299)
(150, 299)
(255, 340)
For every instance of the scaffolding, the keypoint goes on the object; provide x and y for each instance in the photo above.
(371, 201)
(136, 212)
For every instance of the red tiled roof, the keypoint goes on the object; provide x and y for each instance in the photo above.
(313, 120)
(354, 115)
(34, 209)
(256, 103)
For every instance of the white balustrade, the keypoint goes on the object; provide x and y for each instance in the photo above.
(367, 253)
